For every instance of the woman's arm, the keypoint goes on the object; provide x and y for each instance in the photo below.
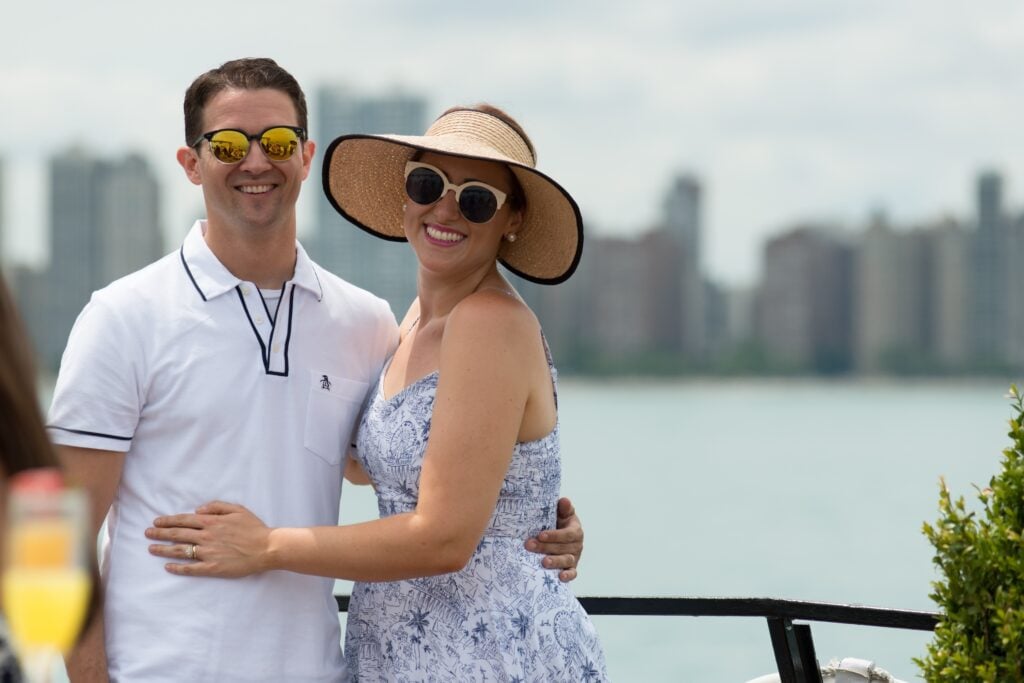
(482, 391)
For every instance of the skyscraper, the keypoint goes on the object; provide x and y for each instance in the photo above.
(804, 306)
(681, 220)
(386, 269)
(75, 243)
(128, 218)
(103, 225)
(1015, 285)
(893, 299)
(627, 298)
(950, 292)
(989, 272)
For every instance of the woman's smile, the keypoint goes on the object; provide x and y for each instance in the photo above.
(443, 235)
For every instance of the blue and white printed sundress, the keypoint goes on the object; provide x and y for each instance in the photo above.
(501, 618)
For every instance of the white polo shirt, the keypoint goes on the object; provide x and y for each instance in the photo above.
(214, 394)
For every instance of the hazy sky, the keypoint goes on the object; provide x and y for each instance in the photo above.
(787, 111)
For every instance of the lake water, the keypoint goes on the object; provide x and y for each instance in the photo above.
(807, 490)
(804, 490)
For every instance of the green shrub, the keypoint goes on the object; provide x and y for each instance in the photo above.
(981, 559)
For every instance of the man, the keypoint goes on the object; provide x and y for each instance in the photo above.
(234, 368)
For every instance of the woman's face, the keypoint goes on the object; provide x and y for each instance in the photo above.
(443, 239)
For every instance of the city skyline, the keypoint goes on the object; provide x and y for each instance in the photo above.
(925, 298)
(314, 211)
(794, 112)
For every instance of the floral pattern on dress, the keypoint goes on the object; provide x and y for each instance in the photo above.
(503, 617)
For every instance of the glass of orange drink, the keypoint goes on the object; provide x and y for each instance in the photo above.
(46, 578)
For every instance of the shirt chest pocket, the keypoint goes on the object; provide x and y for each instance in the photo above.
(334, 404)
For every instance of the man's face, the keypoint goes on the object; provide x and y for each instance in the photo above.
(255, 194)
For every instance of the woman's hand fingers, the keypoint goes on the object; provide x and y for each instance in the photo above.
(174, 534)
(197, 569)
(187, 520)
(219, 507)
(174, 551)
(195, 559)
(221, 539)
(195, 520)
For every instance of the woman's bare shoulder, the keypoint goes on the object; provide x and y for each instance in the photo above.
(493, 312)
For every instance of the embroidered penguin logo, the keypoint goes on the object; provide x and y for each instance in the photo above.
(325, 383)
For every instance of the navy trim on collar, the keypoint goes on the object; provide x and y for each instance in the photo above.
(211, 278)
(188, 271)
(272, 316)
(319, 284)
(288, 335)
(266, 347)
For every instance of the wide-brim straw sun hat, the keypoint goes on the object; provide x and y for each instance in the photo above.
(364, 179)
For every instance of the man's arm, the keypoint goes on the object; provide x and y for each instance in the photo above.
(354, 472)
(562, 545)
(99, 473)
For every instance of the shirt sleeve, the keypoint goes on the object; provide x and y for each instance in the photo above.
(385, 341)
(386, 335)
(97, 400)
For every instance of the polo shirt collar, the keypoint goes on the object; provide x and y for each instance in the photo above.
(305, 273)
(211, 278)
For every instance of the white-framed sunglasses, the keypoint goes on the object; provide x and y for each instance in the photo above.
(426, 184)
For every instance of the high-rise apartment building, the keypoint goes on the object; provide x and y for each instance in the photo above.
(1011, 298)
(804, 304)
(104, 224)
(638, 302)
(387, 269)
(681, 221)
(950, 293)
(989, 272)
(628, 295)
(128, 217)
(75, 244)
(893, 299)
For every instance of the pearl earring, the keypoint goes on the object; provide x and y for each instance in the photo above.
(510, 237)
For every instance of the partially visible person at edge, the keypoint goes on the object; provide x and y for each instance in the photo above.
(233, 368)
(23, 442)
(460, 438)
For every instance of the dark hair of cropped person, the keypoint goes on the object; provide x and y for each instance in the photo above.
(23, 440)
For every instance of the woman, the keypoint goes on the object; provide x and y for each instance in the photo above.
(461, 437)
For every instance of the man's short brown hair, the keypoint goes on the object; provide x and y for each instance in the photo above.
(242, 74)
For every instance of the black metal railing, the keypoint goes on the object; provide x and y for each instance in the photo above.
(791, 642)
